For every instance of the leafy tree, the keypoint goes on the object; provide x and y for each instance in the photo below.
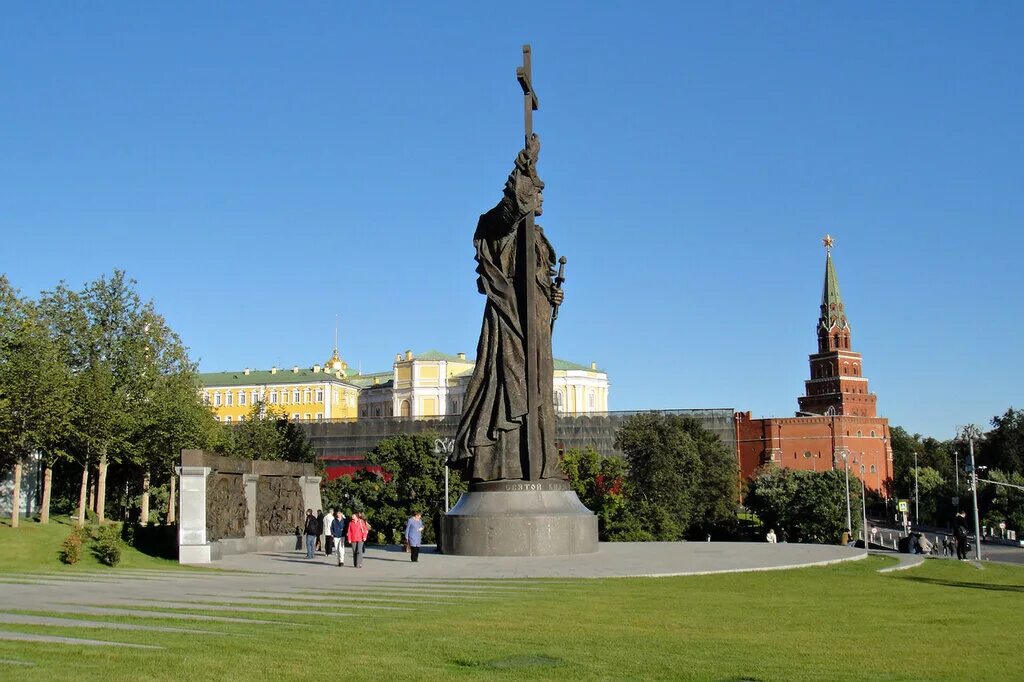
(172, 418)
(1003, 446)
(265, 434)
(411, 478)
(1001, 503)
(932, 490)
(35, 384)
(116, 346)
(257, 437)
(600, 483)
(682, 477)
(809, 505)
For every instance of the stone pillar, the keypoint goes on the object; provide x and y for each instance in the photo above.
(311, 493)
(250, 502)
(192, 545)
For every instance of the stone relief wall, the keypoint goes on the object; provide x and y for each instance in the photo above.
(278, 505)
(226, 507)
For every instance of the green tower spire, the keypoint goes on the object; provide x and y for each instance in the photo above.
(832, 312)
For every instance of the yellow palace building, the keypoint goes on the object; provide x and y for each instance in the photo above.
(314, 394)
(430, 384)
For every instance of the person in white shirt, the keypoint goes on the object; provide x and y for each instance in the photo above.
(771, 536)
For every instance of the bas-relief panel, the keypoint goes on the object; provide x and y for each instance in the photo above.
(278, 505)
(226, 507)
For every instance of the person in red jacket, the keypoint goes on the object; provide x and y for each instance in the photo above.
(358, 531)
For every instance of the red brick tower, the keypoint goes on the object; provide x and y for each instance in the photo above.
(837, 385)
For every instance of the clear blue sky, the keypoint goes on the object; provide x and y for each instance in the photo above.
(260, 167)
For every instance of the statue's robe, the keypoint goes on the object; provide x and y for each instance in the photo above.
(491, 442)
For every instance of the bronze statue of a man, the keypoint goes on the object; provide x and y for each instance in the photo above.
(505, 433)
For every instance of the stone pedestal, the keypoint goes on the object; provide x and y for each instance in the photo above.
(193, 547)
(519, 518)
(311, 492)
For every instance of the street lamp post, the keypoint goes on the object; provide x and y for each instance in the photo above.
(970, 432)
(849, 512)
(917, 500)
(445, 447)
(864, 511)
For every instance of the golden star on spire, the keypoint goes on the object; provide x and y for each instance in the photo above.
(827, 242)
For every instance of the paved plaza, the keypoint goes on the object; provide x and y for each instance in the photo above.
(257, 588)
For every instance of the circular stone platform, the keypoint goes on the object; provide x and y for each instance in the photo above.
(612, 560)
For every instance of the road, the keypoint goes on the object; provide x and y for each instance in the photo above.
(989, 552)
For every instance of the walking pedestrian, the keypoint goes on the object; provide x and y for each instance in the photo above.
(328, 537)
(770, 537)
(320, 528)
(414, 535)
(312, 530)
(960, 534)
(357, 532)
(338, 536)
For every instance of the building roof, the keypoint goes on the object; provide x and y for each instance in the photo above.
(438, 355)
(566, 365)
(832, 312)
(366, 380)
(260, 377)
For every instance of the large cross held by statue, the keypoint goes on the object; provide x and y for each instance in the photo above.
(527, 266)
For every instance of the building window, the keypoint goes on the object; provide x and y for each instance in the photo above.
(319, 416)
(405, 409)
(376, 412)
(230, 397)
(295, 416)
(306, 416)
(320, 395)
(255, 396)
(216, 399)
(227, 419)
(860, 434)
(807, 454)
(335, 396)
(241, 417)
(362, 412)
(559, 400)
(241, 397)
(591, 401)
(273, 397)
(873, 469)
(307, 396)
(872, 434)
(206, 397)
(216, 418)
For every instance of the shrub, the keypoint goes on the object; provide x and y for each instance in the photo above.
(71, 548)
(108, 545)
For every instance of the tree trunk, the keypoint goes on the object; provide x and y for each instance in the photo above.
(144, 514)
(171, 516)
(44, 509)
(92, 494)
(16, 497)
(82, 495)
(101, 487)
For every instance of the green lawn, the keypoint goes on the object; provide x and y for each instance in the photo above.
(33, 546)
(943, 620)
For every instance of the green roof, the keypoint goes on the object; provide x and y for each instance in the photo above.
(438, 355)
(366, 380)
(566, 365)
(832, 313)
(261, 377)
